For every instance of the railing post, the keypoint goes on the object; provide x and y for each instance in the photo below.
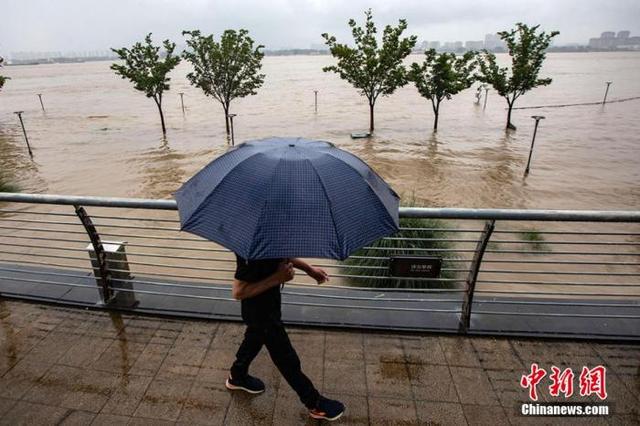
(465, 315)
(101, 256)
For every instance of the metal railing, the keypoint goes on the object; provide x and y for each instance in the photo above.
(503, 271)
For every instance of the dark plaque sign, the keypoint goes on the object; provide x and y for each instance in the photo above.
(415, 266)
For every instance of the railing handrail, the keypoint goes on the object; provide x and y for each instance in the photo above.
(414, 212)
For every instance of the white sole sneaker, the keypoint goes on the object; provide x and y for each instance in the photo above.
(322, 417)
(234, 387)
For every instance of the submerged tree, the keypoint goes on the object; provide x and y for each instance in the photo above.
(441, 76)
(527, 49)
(225, 70)
(3, 79)
(372, 69)
(145, 68)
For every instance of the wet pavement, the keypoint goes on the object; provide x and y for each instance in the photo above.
(74, 366)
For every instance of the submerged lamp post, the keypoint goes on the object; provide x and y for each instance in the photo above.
(182, 100)
(535, 130)
(41, 104)
(233, 141)
(19, 113)
(606, 92)
(315, 92)
(486, 94)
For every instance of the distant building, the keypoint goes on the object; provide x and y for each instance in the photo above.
(474, 45)
(493, 42)
(609, 41)
(434, 45)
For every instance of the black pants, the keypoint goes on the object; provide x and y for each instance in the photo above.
(273, 335)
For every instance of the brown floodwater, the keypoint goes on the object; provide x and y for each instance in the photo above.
(98, 136)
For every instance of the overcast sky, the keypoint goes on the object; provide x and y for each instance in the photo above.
(70, 25)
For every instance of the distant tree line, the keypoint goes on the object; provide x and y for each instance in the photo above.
(229, 68)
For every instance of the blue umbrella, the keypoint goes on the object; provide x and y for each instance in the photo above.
(288, 197)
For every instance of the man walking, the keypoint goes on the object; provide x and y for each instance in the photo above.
(257, 286)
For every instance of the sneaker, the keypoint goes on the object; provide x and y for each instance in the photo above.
(327, 409)
(248, 384)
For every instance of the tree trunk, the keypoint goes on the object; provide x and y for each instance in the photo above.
(436, 113)
(159, 104)
(226, 119)
(371, 126)
(510, 126)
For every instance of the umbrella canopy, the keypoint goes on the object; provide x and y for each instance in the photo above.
(288, 197)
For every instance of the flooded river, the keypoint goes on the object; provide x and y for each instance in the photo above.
(98, 136)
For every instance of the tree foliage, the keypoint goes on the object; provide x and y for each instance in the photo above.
(441, 76)
(527, 49)
(227, 69)
(3, 79)
(373, 69)
(147, 70)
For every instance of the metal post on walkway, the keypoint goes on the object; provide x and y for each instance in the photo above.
(41, 104)
(606, 92)
(19, 113)
(182, 100)
(315, 92)
(535, 130)
(233, 141)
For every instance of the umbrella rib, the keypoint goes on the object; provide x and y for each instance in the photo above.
(264, 202)
(326, 194)
(377, 198)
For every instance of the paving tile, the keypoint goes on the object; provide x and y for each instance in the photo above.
(459, 351)
(205, 404)
(389, 380)
(110, 420)
(473, 386)
(482, 415)
(22, 377)
(163, 399)
(141, 421)
(150, 359)
(356, 409)
(246, 409)
(85, 352)
(496, 354)
(432, 383)
(72, 388)
(382, 348)
(126, 395)
(308, 343)
(622, 359)
(345, 377)
(78, 418)
(196, 333)
(182, 362)
(6, 404)
(229, 336)
(342, 346)
(119, 356)
(28, 414)
(288, 410)
(440, 413)
(388, 411)
(423, 350)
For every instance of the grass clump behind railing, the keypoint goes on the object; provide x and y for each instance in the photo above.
(7, 187)
(369, 266)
